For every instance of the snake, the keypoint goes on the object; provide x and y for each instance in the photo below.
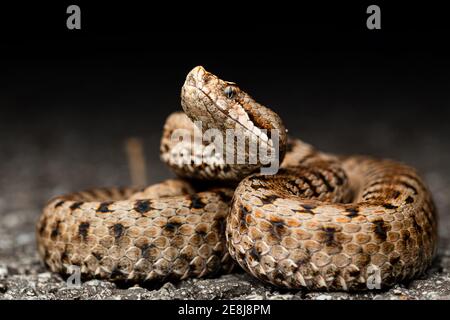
(321, 222)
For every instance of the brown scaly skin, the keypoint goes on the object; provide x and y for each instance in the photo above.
(294, 231)
(165, 232)
(321, 223)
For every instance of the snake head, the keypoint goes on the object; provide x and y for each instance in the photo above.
(222, 105)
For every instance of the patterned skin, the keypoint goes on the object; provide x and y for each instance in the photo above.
(322, 222)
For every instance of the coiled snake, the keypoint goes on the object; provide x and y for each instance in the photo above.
(321, 222)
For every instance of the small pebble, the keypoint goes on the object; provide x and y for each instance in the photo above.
(3, 286)
(324, 297)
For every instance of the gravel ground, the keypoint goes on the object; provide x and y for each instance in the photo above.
(34, 167)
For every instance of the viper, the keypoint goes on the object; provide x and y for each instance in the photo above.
(321, 222)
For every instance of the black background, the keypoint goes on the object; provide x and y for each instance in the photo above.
(71, 97)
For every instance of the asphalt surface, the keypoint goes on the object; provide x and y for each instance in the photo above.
(48, 157)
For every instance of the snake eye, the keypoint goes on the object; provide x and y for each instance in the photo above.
(229, 92)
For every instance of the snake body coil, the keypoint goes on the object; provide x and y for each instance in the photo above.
(321, 222)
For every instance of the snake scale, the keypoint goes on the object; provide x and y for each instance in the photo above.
(323, 222)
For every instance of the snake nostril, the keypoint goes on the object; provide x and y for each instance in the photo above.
(206, 78)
